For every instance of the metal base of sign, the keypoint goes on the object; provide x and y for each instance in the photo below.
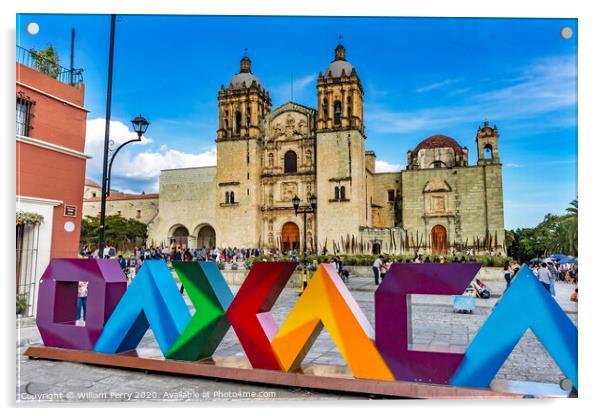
(321, 377)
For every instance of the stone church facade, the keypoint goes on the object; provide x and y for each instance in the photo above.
(439, 204)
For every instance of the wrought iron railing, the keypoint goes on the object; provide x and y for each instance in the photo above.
(28, 240)
(40, 63)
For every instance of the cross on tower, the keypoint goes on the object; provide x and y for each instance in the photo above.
(246, 50)
(340, 40)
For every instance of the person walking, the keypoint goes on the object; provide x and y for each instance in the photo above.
(507, 274)
(376, 268)
(122, 263)
(544, 276)
(553, 273)
(132, 266)
(82, 300)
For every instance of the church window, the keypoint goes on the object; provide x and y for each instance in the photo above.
(231, 197)
(337, 194)
(342, 193)
(248, 117)
(23, 116)
(391, 195)
(488, 151)
(290, 162)
(93, 194)
(227, 197)
(337, 112)
(238, 122)
(325, 106)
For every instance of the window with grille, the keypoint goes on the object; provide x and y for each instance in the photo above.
(23, 116)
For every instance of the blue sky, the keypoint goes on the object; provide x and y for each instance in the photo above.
(421, 76)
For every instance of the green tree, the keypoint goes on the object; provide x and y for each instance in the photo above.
(571, 225)
(46, 61)
(119, 231)
(555, 234)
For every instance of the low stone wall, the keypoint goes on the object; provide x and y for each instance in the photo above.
(485, 273)
(236, 277)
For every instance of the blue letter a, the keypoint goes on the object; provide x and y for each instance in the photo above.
(152, 299)
(526, 304)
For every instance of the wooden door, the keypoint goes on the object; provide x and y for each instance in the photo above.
(439, 240)
(290, 237)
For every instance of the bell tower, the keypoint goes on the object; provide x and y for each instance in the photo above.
(341, 174)
(340, 96)
(487, 144)
(242, 106)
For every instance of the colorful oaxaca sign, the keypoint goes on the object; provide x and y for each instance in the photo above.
(117, 319)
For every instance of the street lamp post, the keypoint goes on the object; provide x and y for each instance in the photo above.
(306, 209)
(140, 125)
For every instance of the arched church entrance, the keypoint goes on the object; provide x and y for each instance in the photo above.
(179, 236)
(289, 237)
(206, 237)
(439, 240)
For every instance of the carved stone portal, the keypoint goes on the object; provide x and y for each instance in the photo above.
(288, 190)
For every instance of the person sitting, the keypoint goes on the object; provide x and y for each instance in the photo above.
(481, 289)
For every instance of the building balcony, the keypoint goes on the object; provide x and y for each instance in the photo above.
(39, 63)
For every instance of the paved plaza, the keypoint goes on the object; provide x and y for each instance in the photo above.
(433, 323)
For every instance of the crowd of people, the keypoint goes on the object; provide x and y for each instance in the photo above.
(550, 272)
(546, 272)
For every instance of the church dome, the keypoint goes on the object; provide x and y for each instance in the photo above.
(244, 78)
(236, 82)
(438, 141)
(336, 67)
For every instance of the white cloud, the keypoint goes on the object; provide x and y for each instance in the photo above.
(95, 137)
(382, 166)
(513, 165)
(145, 166)
(436, 85)
(546, 86)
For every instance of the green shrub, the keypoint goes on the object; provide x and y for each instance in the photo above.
(221, 265)
(368, 259)
(21, 304)
(234, 266)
